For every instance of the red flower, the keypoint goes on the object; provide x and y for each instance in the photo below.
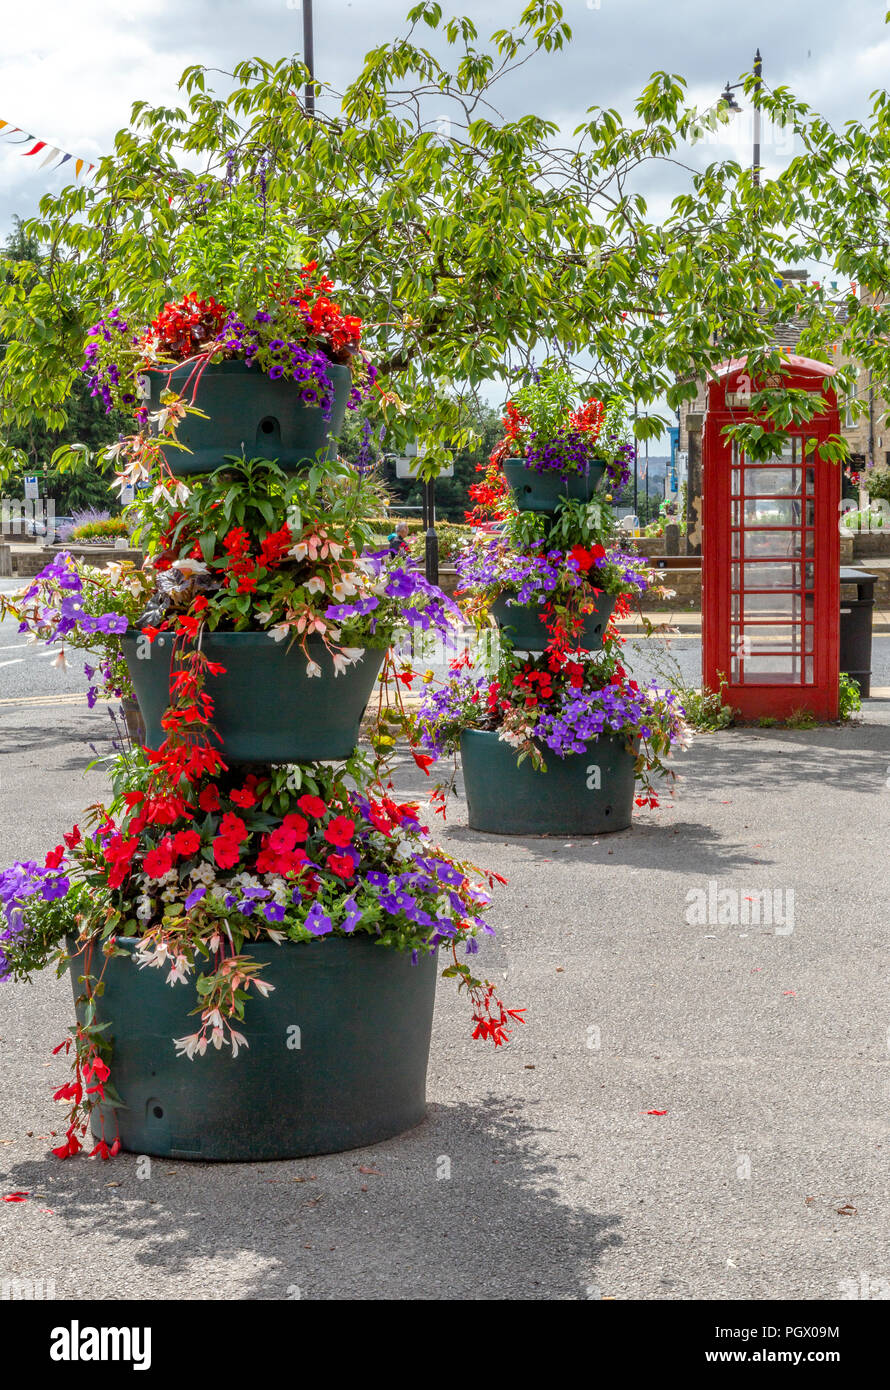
(379, 819)
(312, 805)
(244, 797)
(73, 838)
(186, 842)
(209, 799)
(232, 827)
(282, 840)
(423, 761)
(72, 1090)
(226, 852)
(341, 865)
(340, 831)
(237, 542)
(298, 825)
(275, 546)
(71, 1146)
(158, 862)
(54, 857)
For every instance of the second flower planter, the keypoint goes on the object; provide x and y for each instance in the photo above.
(543, 492)
(524, 627)
(586, 793)
(266, 707)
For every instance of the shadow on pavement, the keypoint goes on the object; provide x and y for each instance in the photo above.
(497, 1227)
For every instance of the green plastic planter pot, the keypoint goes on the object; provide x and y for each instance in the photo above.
(337, 1054)
(543, 492)
(524, 626)
(587, 793)
(266, 708)
(250, 414)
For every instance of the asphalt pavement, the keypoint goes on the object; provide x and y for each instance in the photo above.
(695, 1109)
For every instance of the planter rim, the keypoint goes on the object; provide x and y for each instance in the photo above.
(493, 733)
(256, 635)
(235, 365)
(559, 472)
(271, 945)
(534, 602)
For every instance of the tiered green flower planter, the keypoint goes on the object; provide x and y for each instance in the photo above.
(524, 627)
(266, 707)
(543, 492)
(337, 1055)
(250, 415)
(587, 793)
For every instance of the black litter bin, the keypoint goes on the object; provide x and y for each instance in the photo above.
(856, 620)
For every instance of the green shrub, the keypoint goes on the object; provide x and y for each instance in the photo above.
(849, 697)
(109, 529)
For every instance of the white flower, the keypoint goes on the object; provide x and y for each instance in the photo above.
(186, 1047)
(279, 632)
(191, 566)
(316, 584)
(299, 551)
(313, 669)
(179, 492)
(60, 660)
(179, 971)
(238, 1041)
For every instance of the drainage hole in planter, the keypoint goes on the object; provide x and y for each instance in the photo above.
(269, 425)
(157, 1111)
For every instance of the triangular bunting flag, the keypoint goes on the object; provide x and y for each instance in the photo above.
(15, 135)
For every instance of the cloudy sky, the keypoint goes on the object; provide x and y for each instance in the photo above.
(68, 73)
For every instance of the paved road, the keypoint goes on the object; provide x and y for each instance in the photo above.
(26, 669)
(766, 1178)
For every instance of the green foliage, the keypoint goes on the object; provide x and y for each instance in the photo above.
(801, 719)
(705, 709)
(109, 529)
(470, 250)
(849, 697)
(878, 484)
(47, 925)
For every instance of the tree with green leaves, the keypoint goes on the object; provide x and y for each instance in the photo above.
(31, 443)
(471, 245)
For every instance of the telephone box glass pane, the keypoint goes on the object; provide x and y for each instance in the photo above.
(769, 576)
(772, 606)
(772, 545)
(765, 511)
(772, 482)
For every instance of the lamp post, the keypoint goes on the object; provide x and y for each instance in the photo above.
(732, 105)
(309, 56)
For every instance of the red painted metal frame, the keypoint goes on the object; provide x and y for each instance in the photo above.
(778, 700)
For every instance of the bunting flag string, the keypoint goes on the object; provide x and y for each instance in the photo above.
(14, 135)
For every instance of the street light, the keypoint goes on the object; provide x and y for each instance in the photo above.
(309, 56)
(726, 96)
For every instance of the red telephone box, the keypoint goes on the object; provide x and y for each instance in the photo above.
(771, 555)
